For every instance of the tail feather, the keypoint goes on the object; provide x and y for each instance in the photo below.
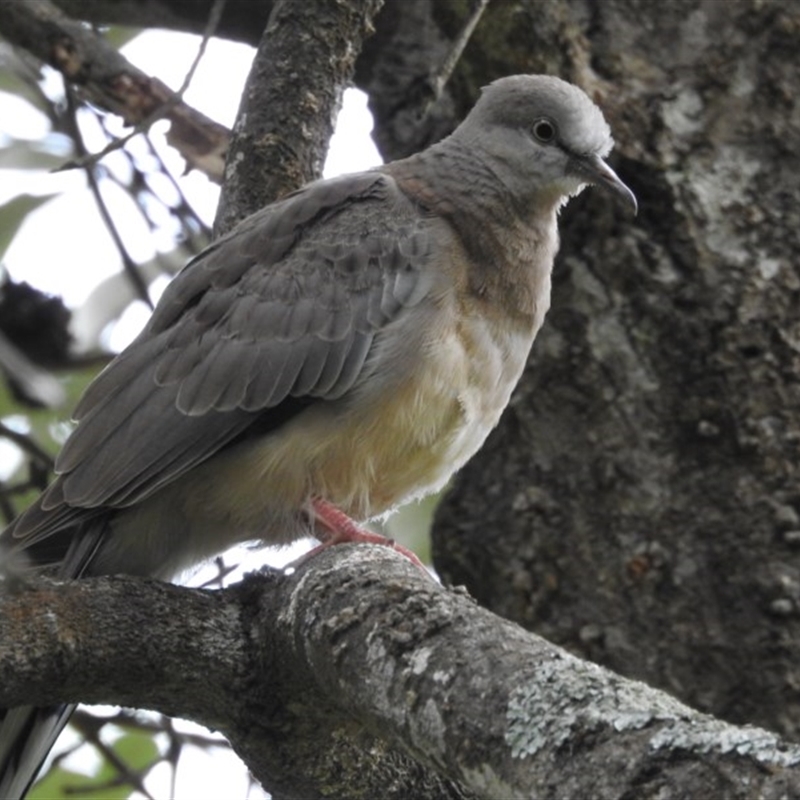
(28, 733)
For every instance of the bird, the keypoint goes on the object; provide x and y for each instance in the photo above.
(338, 353)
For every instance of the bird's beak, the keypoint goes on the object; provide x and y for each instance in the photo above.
(596, 171)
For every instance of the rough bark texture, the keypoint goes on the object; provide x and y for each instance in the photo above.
(639, 503)
(357, 676)
(287, 113)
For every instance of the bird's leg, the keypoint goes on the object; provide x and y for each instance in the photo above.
(333, 526)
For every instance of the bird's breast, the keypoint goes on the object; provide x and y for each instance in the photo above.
(438, 389)
(403, 436)
(435, 385)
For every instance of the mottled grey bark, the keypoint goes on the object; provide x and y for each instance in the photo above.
(291, 100)
(639, 503)
(359, 677)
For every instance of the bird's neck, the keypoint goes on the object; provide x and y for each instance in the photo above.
(514, 240)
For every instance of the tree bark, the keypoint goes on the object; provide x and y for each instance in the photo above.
(645, 479)
(287, 114)
(357, 676)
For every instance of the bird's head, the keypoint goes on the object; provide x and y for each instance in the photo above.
(544, 138)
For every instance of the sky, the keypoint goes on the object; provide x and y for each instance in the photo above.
(61, 263)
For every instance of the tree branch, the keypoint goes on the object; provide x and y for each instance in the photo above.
(286, 117)
(111, 82)
(357, 675)
(242, 20)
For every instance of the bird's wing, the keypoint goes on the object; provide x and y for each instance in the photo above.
(279, 314)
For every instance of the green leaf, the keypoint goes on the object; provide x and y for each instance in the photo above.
(48, 427)
(58, 783)
(13, 213)
(412, 523)
(136, 749)
(14, 84)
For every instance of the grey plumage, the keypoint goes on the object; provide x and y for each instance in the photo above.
(354, 342)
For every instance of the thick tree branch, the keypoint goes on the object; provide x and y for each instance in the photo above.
(110, 81)
(357, 674)
(287, 115)
(242, 20)
(658, 529)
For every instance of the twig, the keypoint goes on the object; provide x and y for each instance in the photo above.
(223, 570)
(89, 727)
(128, 264)
(110, 81)
(91, 159)
(441, 78)
(27, 444)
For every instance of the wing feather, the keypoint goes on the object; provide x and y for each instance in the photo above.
(285, 308)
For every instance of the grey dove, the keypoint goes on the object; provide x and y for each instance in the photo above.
(340, 352)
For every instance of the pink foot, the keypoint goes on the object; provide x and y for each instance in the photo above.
(335, 527)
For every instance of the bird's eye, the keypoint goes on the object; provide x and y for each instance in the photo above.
(544, 130)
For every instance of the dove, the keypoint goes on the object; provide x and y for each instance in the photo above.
(340, 352)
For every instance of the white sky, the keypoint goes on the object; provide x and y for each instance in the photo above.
(64, 248)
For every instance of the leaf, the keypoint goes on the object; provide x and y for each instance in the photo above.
(412, 523)
(47, 427)
(42, 154)
(60, 783)
(18, 78)
(13, 214)
(135, 749)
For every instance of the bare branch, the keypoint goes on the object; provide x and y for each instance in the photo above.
(439, 81)
(143, 126)
(89, 727)
(128, 264)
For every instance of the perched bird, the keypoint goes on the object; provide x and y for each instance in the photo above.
(340, 352)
